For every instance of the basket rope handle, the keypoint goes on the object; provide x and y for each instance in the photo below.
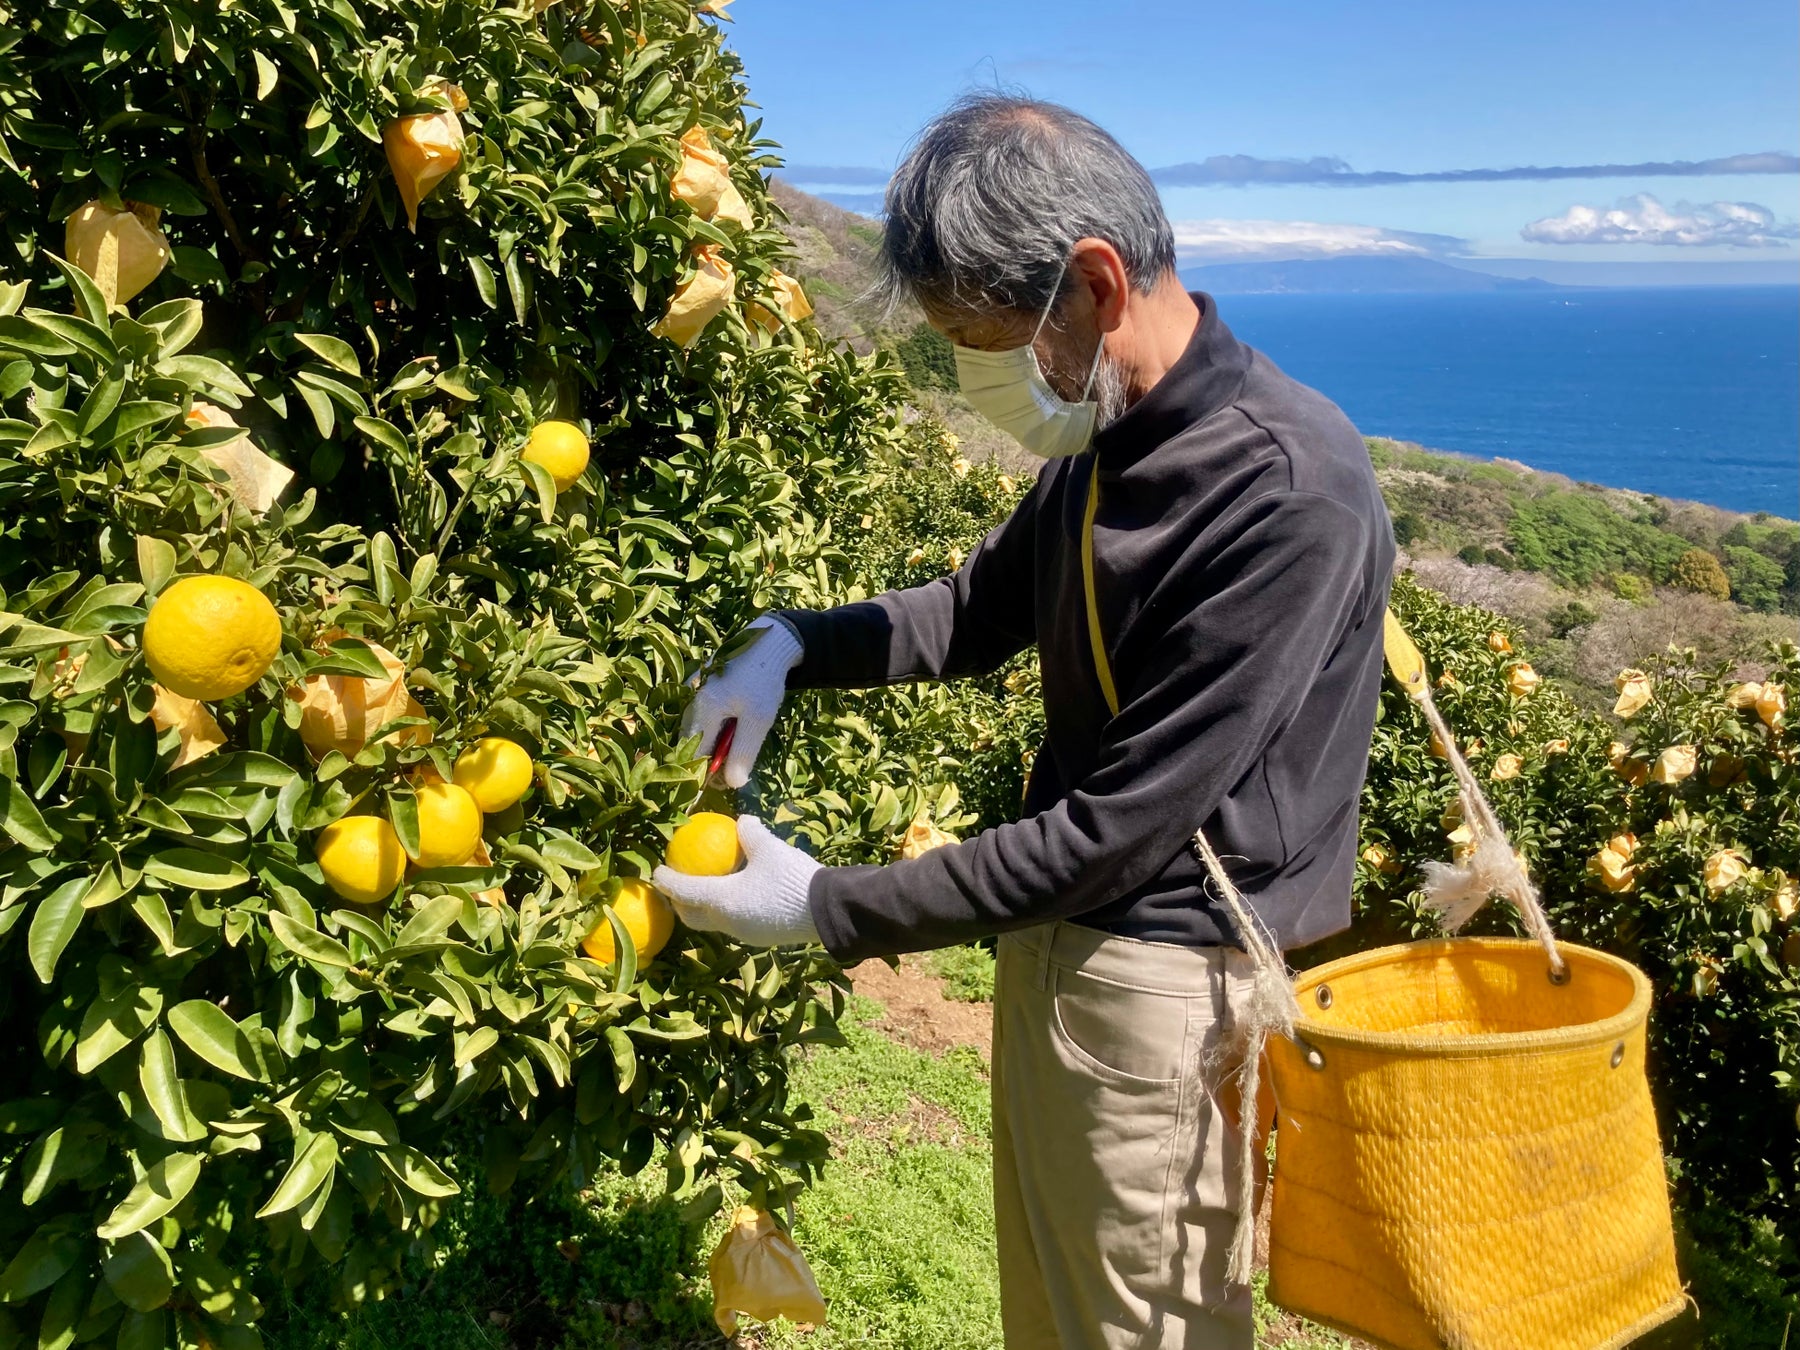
(1459, 890)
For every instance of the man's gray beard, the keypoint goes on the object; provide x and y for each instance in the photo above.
(1109, 394)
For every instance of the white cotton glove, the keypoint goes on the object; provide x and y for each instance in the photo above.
(763, 905)
(750, 688)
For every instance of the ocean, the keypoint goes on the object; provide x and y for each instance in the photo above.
(1690, 392)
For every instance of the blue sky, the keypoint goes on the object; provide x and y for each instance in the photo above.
(1383, 85)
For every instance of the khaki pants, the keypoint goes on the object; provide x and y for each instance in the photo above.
(1115, 1150)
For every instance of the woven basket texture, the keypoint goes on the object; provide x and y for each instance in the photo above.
(1474, 1164)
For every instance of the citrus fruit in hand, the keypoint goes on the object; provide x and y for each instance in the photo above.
(449, 826)
(494, 771)
(211, 637)
(361, 858)
(707, 846)
(646, 916)
(562, 448)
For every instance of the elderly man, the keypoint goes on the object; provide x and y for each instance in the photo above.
(1202, 566)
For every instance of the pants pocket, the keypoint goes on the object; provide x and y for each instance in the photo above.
(1131, 1035)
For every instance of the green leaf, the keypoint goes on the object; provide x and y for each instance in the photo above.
(63, 1310)
(153, 911)
(545, 487)
(625, 958)
(348, 656)
(89, 302)
(28, 1115)
(267, 76)
(45, 1258)
(569, 852)
(418, 1173)
(198, 266)
(386, 435)
(21, 334)
(311, 1168)
(112, 1024)
(160, 1080)
(178, 321)
(403, 814)
(203, 372)
(53, 923)
(143, 1331)
(163, 1187)
(208, 1031)
(156, 562)
(433, 918)
(518, 285)
(196, 870)
(485, 285)
(310, 943)
(139, 1272)
(474, 1044)
(335, 352)
(21, 819)
(624, 1056)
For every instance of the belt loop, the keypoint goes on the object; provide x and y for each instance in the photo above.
(1049, 943)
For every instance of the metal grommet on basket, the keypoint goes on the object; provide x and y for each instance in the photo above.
(1315, 1057)
(1323, 995)
(1618, 1054)
(1559, 977)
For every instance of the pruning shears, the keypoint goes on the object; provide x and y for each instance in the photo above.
(721, 748)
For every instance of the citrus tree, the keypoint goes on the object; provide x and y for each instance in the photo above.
(288, 288)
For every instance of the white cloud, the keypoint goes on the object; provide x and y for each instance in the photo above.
(1644, 220)
(1247, 240)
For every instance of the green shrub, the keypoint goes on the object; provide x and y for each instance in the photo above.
(1576, 537)
(1754, 580)
(1569, 618)
(1700, 572)
(928, 358)
(1408, 529)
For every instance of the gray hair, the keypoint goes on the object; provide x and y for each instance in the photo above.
(992, 196)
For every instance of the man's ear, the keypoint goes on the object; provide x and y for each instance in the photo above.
(1100, 270)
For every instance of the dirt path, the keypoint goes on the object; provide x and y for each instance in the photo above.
(917, 1013)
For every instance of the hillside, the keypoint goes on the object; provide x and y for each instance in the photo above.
(1350, 275)
(1601, 578)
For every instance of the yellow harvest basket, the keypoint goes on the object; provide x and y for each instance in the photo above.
(1467, 1157)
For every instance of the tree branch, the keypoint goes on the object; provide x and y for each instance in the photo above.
(196, 136)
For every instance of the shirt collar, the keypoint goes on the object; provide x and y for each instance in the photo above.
(1206, 378)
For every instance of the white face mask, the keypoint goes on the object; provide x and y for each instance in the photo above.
(1008, 388)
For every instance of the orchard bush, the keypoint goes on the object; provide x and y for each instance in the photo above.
(222, 1074)
(975, 737)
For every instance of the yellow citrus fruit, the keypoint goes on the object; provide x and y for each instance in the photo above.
(449, 826)
(707, 846)
(361, 858)
(494, 771)
(211, 637)
(562, 448)
(646, 916)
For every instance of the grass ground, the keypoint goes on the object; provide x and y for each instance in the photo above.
(899, 1234)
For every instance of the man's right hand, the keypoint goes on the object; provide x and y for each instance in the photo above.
(750, 689)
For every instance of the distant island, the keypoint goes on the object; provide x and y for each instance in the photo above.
(1350, 275)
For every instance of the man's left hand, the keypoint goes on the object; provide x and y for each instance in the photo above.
(762, 905)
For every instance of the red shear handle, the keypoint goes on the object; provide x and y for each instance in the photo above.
(722, 747)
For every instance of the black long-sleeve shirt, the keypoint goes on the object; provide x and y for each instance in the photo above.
(1242, 556)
